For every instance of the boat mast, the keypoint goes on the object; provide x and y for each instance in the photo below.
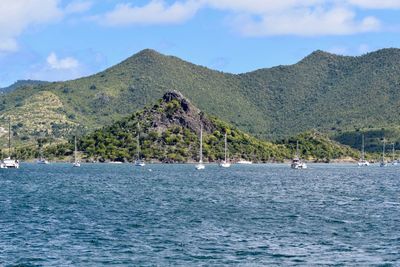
(75, 149)
(297, 148)
(201, 143)
(9, 137)
(40, 144)
(383, 151)
(393, 152)
(138, 142)
(225, 146)
(362, 149)
(40, 151)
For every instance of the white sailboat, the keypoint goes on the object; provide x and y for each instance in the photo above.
(41, 159)
(362, 162)
(138, 161)
(200, 165)
(225, 163)
(383, 162)
(76, 162)
(9, 163)
(296, 162)
(394, 161)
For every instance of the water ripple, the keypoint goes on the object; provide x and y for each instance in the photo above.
(258, 215)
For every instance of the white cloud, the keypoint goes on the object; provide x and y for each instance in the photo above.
(56, 69)
(78, 7)
(8, 45)
(259, 17)
(376, 4)
(155, 12)
(307, 22)
(17, 15)
(259, 6)
(61, 64)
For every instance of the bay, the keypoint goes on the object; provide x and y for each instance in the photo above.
(163, 215)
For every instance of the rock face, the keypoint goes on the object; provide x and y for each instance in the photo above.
(178, 110)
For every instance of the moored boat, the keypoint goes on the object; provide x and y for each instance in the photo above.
(296, 162)
(383, 162)
(225, 163)
(200, 165)
(138, 162)
(9, 163)
(76, 161)
(363, 162)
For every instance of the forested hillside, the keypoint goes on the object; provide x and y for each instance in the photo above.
(324, 92)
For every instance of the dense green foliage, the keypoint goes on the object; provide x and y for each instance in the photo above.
(169, 132)
(318, 147)
(373, 139)
(175, 139)
(323, 92)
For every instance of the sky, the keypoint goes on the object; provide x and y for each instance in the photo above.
(56, 40)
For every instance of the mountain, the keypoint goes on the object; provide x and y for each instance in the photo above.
(325, 92)
(169, 132)
(20, 83)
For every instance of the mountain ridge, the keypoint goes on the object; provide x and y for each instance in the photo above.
(322, 91)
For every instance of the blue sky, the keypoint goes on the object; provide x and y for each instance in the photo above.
(66, 39)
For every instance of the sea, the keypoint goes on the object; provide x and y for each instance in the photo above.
(174, 215)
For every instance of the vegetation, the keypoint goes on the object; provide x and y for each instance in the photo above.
(332, 94)
(169, 132)
(373, 139)
(318, 147)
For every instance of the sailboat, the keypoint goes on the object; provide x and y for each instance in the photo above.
(296, 162)
(9, 163)
(362, 161)
(225, 163)
(383, 162)
(76, 162)
(138, 161)
(41, 160)
(200, 165)
(394, 162)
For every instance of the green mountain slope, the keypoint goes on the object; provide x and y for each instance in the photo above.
(326, 91)
(323, 91)
(169, 132)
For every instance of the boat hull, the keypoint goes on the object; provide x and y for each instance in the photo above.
(298, 166)
(76, 164)
(200, 167)
(140, 163)
(363, 163)
(224, 164)
(10, 164)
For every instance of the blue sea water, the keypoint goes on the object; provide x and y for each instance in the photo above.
(172, 215)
